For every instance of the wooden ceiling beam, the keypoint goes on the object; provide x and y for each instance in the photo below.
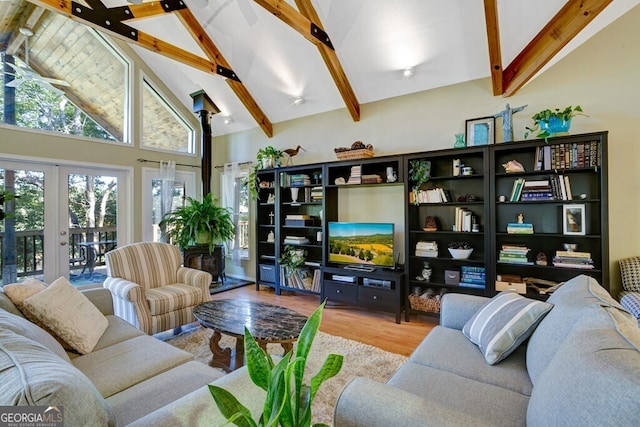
(574, 16)
(30, 22)
(216, 65)
(307, 22)
(493, 41)
(213, 53)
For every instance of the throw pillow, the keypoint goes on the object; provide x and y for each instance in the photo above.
(18, 292)
(69, 314)
(503, 323)
(630, 274)
(631, 302)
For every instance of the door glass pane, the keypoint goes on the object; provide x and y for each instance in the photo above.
(22, 230)
(92, 226)
(165, 199)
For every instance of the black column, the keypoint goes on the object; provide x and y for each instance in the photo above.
(205, 108)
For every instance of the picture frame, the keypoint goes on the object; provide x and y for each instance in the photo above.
(574, 220)
(480, 131)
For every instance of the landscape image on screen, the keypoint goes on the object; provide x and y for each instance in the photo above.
(361, 243)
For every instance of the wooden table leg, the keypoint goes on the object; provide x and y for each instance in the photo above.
(226, 358)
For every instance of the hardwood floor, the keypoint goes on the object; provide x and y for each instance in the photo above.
(370, 327)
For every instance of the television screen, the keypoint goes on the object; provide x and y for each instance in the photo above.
(361, 243)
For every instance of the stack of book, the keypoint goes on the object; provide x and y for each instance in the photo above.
(371, 179)
(519, 228)
(472, 277)
(568, 156)
(298, 220)
(561, 187)
(464, 219)
(299, 180)
(566, 259)
(537, 190)
(295, 240)
(316, 194)
(356, 175)
(514, 254)
(427, 249)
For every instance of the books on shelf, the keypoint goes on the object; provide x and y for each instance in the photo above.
(567, 259)
(464, 219)
(297, 216)
(516, 190)
(302, 278)
(427, 249)
(295, 240)
(514, 254)
(568, 156)
(556, 187)
(297, 180)
(316, 194)
(472, 276)
(432, 195)
(371, 179)
(519, 228)
(356, 175)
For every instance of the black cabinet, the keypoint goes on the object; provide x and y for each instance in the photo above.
(378, 290)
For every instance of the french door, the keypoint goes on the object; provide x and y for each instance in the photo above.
(65, 218)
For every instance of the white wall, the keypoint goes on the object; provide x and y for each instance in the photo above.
(601, 76)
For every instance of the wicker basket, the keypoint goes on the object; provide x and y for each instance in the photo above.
(354, 154)
(429, 305)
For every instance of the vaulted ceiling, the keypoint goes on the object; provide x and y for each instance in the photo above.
(254, 58)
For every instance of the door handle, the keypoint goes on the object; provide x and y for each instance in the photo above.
(63, 243)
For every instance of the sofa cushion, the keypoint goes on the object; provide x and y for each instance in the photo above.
(449, 350)
(173, 297)
(490, 404)
(18, 292)
(22, 326)
(631, 302)
(503, 323)
(69, 314)
(128, 363)
(594, 377)
(630, 274)
(570, 301)
(32, 375)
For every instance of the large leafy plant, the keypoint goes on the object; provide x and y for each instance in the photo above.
(266, 157)
(547, 115)
(419, 173)
(199, 222)
(288, 400)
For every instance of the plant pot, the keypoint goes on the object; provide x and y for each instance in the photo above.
(268, 162)
(203, 238)
(555, 125)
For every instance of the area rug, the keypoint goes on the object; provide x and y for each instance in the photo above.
(229, 283)
(360, 360)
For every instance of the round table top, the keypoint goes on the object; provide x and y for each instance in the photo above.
(266, 322)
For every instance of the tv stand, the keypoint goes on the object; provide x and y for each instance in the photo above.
(358, 267)
(376, 289)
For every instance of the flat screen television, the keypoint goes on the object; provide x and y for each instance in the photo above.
(361, 244)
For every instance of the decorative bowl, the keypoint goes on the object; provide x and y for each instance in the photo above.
(460, 253)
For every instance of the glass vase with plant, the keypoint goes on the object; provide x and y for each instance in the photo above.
(419, 173)
(548, 122)
(288, 401)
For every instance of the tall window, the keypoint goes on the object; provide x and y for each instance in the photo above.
(163, 128)
(66, 78)
(235, 196)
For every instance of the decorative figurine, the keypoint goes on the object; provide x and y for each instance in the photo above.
(271, 218)
(271, 198)
(430, 224)
(426, 271)
(541, 259)
(507, 125)
(271, 237)
(520, 217)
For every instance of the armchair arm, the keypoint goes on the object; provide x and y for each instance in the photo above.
(367, 403)
(198, 278)
(130, 302)
(457, 309)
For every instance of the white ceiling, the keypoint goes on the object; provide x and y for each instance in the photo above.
(374, 40)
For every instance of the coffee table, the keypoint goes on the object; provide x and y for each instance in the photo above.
(267, 324)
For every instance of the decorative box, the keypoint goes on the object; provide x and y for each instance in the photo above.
(520, 288)
(267, 273)
(451, 277)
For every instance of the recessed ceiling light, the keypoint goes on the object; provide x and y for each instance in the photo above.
(407, 73)
(299, 100)
(228, 120)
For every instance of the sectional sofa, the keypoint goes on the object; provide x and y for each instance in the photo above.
(128, 377)
(580, 367)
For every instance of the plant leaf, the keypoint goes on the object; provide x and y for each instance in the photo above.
(276, 392)
(259, 363)
(305, 340)
(231, 408)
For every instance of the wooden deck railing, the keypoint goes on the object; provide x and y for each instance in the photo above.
(30, 256)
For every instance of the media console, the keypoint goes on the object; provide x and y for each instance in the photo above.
(378, 290)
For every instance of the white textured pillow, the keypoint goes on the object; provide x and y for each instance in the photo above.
(503, 323)
(69, 314)
(18, 292)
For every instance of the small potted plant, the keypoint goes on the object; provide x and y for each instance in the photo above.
(199, 222)
(419, 173)
(267, 157)
(292, 258)
(548, 122)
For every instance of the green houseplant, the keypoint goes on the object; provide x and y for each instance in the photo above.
(547, 122)
(288, 401)
(5, 196)
(292, 258)
(199, 222)
(419, 173)
(267, 157)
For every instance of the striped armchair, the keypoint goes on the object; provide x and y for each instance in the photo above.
(150, 287)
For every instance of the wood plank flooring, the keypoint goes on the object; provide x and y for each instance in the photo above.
(370, 327)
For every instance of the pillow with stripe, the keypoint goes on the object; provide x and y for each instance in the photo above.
(503, 323)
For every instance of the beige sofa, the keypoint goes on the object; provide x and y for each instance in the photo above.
(129, 377)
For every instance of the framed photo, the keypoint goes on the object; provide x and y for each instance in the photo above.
(480, 131)
(573, 220)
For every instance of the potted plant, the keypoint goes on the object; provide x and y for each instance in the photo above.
(199, 222)
(548, 122)
(292, 258)
(419, 173)
(267, 157)
(288, 400)
(5, 196)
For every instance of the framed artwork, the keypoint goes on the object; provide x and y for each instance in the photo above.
(573, 220)
(480, 131)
